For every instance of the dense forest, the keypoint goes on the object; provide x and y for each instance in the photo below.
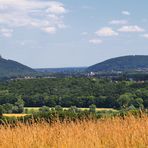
(10, 68)
(125, 63)
(79, 92)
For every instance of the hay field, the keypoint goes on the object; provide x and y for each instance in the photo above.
(130, 132)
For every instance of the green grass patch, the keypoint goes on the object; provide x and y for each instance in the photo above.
(30, 110)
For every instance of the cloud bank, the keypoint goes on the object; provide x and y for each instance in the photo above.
(44, 15)
(106, 32)
(134, 28)
(118, 22)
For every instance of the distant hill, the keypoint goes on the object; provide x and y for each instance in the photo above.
(125, 63)
(61, 70)
(9, 68)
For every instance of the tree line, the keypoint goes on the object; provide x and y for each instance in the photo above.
(79, 92)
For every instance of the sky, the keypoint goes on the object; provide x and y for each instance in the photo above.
(72, 33)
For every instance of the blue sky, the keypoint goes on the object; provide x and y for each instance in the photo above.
(71, 33)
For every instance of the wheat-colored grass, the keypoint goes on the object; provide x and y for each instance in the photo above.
(130, 132)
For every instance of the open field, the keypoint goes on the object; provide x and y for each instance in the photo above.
(100, 109)
(36, 109)
(32, 108)
(66, 108)
(131, 132)
(14, 115)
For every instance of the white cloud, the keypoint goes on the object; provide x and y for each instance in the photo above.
(57, 9)
(126, 13)
(106, 31)
(134, 28)
(6, 32)
(32, 13)
(145, 36)
(118, 22)
(49, 29)
(95, 41)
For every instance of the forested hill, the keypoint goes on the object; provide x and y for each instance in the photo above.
(61, 70)
(125, 63)
(9, 68)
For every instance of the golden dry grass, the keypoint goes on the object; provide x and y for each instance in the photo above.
(108, 133)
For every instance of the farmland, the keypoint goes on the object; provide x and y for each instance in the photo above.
(73, 74)
(36, 109)
(33, 110)
(111, 132)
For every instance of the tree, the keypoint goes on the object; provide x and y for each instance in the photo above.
(73, 109)
(143, 93)
(124, 100)
(50, 101)
(8, 108)
(137, 102)
(1, 110)
(44, 109)
(58, 108)
(19, 106)
(92, 108)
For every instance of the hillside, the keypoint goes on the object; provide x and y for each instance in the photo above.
(9, 68)
(125, 63)
(61, 70)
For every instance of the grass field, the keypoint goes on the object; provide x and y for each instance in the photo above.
(36, 109)
(98, 109)
(130, 132)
